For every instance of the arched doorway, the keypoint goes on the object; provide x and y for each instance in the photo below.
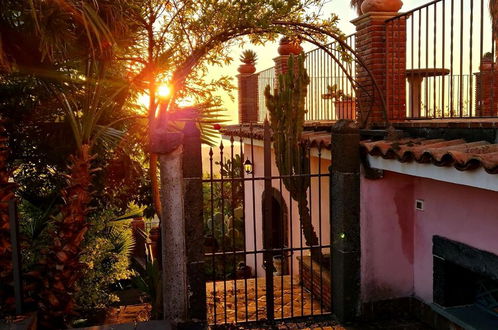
(279, 229)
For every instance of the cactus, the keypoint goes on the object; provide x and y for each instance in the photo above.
(286, 108)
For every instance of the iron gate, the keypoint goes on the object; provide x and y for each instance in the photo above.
(258, 264)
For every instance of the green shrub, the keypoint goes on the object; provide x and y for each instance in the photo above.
(106, 259)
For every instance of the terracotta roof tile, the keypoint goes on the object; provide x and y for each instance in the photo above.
(458, 153)
(315, 138)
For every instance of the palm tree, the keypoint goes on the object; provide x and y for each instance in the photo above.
(6, 194)
(99, 93)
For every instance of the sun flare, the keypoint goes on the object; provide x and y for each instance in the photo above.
(163, 91)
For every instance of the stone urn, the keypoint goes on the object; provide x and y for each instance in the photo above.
(381, 6)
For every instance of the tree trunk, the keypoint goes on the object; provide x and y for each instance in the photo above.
(62, 267)
(6, 194)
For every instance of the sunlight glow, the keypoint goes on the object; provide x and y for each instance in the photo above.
(143, 100)
(163, 91)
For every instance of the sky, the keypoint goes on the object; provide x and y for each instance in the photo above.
(268, 52)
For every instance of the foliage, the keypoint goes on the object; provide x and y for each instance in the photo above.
(249, 57)
(337, 94)
(106, 257)
(150, 282)
(287, 109)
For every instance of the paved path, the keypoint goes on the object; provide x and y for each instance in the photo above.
(291, 299)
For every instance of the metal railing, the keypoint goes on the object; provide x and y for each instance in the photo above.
(330, 92)
(448, 74)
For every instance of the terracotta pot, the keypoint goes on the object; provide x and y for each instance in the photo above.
(381, 6)
(487, 65)
(345, 109)
(247, 68)
(287, 47)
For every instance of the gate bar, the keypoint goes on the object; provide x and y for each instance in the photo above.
(267, 223)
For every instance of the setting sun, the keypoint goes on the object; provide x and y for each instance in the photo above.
(163, 91)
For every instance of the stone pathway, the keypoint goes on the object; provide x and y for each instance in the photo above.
(291, 299)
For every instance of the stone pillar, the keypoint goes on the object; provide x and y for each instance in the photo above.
(194, 222)
(345, 220)
(248, 97)
(174, 252)
(382, 47)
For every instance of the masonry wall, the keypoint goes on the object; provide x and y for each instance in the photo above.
(319, 213)
(397, 239)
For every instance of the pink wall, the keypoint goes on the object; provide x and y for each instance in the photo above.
(320, 215)
(397, 239)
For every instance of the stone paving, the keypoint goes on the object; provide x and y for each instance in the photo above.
(291, 300)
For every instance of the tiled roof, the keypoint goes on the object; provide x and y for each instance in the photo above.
(315, 138)
(458, 153)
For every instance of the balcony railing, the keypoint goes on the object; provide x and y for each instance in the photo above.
(330, 92)
(448, 74)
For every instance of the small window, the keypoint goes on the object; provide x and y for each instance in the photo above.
(419, 204)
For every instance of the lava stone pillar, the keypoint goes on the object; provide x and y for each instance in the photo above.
(192, 172)
(345, 220)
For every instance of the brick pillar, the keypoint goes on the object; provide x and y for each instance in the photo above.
(248, 97)
(382, 47)
(486, 93)
(281, 64)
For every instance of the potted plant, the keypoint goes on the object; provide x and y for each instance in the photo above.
(248, 58)
(278, 265)
(486, 62)
(344, 104)
(290, 45)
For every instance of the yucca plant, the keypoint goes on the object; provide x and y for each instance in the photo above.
(248, 57)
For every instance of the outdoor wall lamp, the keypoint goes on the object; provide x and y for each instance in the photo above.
(248, 166)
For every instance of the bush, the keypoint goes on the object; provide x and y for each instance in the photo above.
(106, 259)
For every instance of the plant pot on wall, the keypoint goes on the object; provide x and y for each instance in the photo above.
(247, 68)
(487, 63)
(381, 6)
(289, 46)
(345, 109)
(248, 59)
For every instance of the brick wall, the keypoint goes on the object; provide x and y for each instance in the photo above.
(248, 98)
(317, 282)
(486, 93)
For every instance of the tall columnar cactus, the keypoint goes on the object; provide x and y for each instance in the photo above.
(287, 110)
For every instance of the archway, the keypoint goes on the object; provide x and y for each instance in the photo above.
(279, 225)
